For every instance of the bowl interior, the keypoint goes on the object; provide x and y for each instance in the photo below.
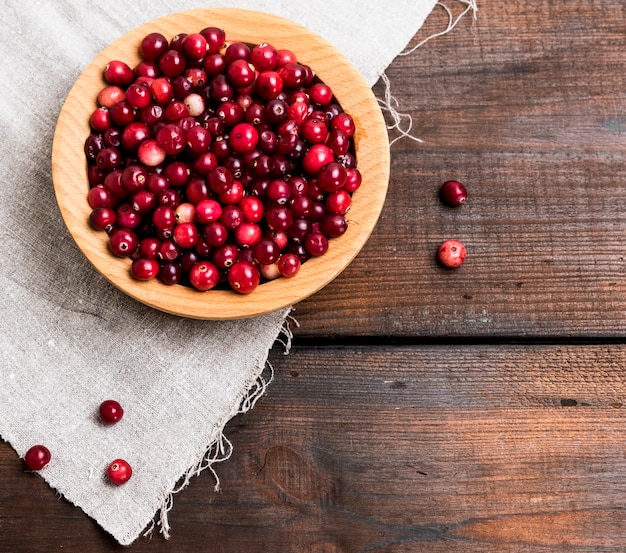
(332, 67)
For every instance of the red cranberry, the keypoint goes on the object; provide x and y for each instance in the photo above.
(237, 51)
(119, 472)
(204, 276)
(268, 85)
(37, 457)
(316, 244)
(451, 254)
(118, 73)
(102, 218)
(110, 411)
(215, 38)
(288, 264)
(172, 63)
(264, 57)
(266, 251)
(243, 277)
(111, 95)
(186, 235)
(243, 138)
(123, 242)
(153, 46)
(333, 225)
(195, 46)
(208, 211)
(170, 273)
(317, 157)
(453, 193)
(320, 94)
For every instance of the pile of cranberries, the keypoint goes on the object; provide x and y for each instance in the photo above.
(218, 164)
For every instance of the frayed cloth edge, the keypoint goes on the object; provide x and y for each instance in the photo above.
(221, 449)
(402, 123)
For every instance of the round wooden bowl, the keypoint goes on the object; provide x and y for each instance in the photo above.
(353, 93)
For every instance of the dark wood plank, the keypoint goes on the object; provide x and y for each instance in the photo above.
(393, 449)
(524, 105)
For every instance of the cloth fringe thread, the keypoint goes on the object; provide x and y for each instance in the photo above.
(222, 449)
(403, 122)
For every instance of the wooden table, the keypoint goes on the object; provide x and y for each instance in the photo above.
(422, 409)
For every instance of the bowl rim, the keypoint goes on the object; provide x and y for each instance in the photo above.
(353, 93)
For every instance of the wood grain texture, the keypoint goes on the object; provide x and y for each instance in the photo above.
(525, 105)
(394, 449)
(331, 66)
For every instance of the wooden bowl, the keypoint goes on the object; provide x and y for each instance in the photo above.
(352, 92)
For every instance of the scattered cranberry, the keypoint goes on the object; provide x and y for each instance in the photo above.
(37, 457)
(119, 472)
(453, 193)
(451, 254)
(110, 411)
(214, 163)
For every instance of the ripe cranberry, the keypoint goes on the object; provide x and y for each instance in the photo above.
(288, 264)
(343, 122)
(118, 73)
(153, 46)
(151, 153)
(111, 95)
(204, 276)
(170, 273)
(215, 234)
(317, 157)
(453, 193)
(240, 73)
(186, 235)
(243, 138)
(451, 254)
(138, 96)
(195, 46)
(333, 225)
(162, 90)
(214, 64)
(123, 242)
(133, 135)
(266, 251)
(37, 457)
(252, 208)
(100, 119)
(264, 57)
(316, 244)
(110, 411)
(247, 234)
(122, 114)
(320, 94)
(237, 51)
(331, 177)
(172, 63)
(102, 218)
(127, 217)
(243, 277)
(285, 56)
(314, 130)
(208, 211)
(119, 472)
(215, 38)
(99, 196)
(268, 85)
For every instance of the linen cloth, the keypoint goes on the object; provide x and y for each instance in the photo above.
(68, 339)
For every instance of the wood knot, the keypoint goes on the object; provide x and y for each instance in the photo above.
(294, 475)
